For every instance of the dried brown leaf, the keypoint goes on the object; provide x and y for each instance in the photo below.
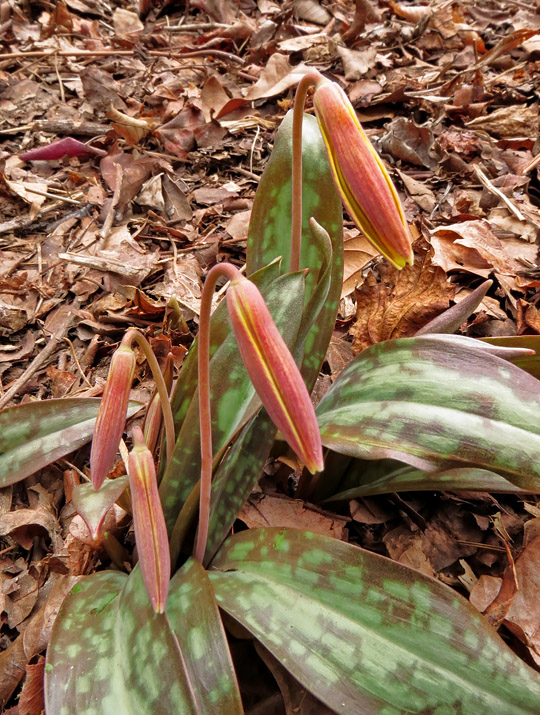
(399, 302)
(267, 510)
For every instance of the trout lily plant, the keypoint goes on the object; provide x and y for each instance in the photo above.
(362, 633)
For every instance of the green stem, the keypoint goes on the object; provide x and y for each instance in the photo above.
(205, 413)
(131, 336)
(307, 81)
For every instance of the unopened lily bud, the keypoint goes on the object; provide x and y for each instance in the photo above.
(149, 523)
(273, 372)
(360, 176)
(112, 413)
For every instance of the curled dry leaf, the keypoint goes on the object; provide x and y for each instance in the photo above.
(400, 302)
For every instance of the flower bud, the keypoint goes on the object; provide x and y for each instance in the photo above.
(112, 413)
(273, 372)
(360, 176)
(149, 523)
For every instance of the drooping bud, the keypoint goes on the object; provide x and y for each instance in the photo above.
(360, 176)
(149, 523)
(112, 412)
(273, 372)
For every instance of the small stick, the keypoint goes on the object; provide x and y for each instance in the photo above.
(107, 225)
(65, 199)
(531, 165)
(40, 359)
(172, 52)
(494, 190)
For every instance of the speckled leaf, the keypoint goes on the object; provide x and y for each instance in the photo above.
(38, 433)
(365, 634)
(236, 476)
(405, 478)
(270, 229)
(436, 404)
(93, 505)
(111, 654)
(234, 400)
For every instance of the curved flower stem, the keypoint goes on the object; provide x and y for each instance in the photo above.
(307, 81)
(205, 414)
(133, 335)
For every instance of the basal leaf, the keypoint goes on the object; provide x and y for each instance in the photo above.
(38, 433)
(270, 230)
(111, 654)
(365, 634)
(236, 476)
(234, 400)
(436, 404)
(405, 478)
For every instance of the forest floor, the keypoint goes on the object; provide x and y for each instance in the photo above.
(187, 102)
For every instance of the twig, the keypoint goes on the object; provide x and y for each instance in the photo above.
(191, 27)
(107, 225)
(41, 358)
(65, 199)
(531, 165)
(171, 52)
(60, 126)
(494, 190)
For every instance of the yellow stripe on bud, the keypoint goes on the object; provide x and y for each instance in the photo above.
(149, 523)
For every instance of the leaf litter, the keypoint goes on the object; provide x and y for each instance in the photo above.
(131, 144)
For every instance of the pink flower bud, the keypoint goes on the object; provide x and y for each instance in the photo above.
(360, 176)
(149, 523)
(273, 372)
(112, 413)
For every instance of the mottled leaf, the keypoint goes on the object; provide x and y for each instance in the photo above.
(93, 505)
(436, 404)
(405, 478)
(270, 229)
(234, 400)
(365, 634)
(38, 433)
(111, 654)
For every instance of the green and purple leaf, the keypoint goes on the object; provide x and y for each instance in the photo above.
(270, 232)
(110, 654)
(404, 478)
(436, 404)
(234, 400)
(93, 505)
(38, 433)
(365, 634)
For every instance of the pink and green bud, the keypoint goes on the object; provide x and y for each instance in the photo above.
(273, 372)
(112, 413)
(360, 176)
(149, 523)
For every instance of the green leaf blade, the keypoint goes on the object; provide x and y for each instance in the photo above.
(38, 433)
(436, 405)
(234, 401)
(110, 654)
(365, 634)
